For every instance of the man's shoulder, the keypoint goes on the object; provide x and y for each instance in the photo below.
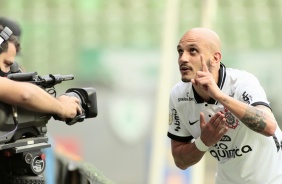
(239, 73)
(181, 87)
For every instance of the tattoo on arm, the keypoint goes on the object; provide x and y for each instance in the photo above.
(254, 119)
(225, 101)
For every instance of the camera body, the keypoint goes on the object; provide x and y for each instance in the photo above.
(23, 132)
(33, 124)
(30, 124)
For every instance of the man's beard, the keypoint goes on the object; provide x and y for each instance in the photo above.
(185, 80)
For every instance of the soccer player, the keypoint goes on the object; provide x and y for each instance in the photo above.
(223, 111)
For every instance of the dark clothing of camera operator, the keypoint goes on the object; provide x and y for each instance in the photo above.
(27, 95)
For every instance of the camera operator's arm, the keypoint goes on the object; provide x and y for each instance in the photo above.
(34, 98)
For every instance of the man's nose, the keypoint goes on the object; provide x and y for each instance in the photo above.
(185, 57)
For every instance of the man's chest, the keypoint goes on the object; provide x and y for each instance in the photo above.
(190, 117)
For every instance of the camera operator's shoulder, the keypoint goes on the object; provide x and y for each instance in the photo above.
(6, 83)
(5, 80)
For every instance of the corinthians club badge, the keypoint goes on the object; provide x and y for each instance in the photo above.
(231, 120)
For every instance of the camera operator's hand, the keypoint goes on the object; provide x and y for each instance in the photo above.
(70, 107)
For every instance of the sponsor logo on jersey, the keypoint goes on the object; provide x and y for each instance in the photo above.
(232, 94)
(225, 138)
(193, 122)
(246, 97)
(187, 98)
(223, 152)
(176, 120)
(231, 120)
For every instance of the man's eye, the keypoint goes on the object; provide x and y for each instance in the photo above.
(180, 51)
(193, 51)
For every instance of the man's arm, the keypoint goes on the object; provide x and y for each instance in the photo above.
(258, 118)
(32, 97)
(186, 154)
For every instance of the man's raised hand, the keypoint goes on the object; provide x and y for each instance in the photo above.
(214, 129)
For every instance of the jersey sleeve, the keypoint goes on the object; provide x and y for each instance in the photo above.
(177, 130)
(250, 91)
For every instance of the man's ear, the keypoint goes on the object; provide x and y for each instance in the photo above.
(216, 59)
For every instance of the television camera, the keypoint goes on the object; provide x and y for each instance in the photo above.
(23, 132)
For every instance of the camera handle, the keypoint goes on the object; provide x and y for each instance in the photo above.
(71, 121)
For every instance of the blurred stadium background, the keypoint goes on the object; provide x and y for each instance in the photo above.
(127, 50)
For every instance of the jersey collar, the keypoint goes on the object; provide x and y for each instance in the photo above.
(221, 80)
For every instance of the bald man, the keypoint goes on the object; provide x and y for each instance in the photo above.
(223, 111)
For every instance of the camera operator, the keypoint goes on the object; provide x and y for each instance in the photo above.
(27, 95)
